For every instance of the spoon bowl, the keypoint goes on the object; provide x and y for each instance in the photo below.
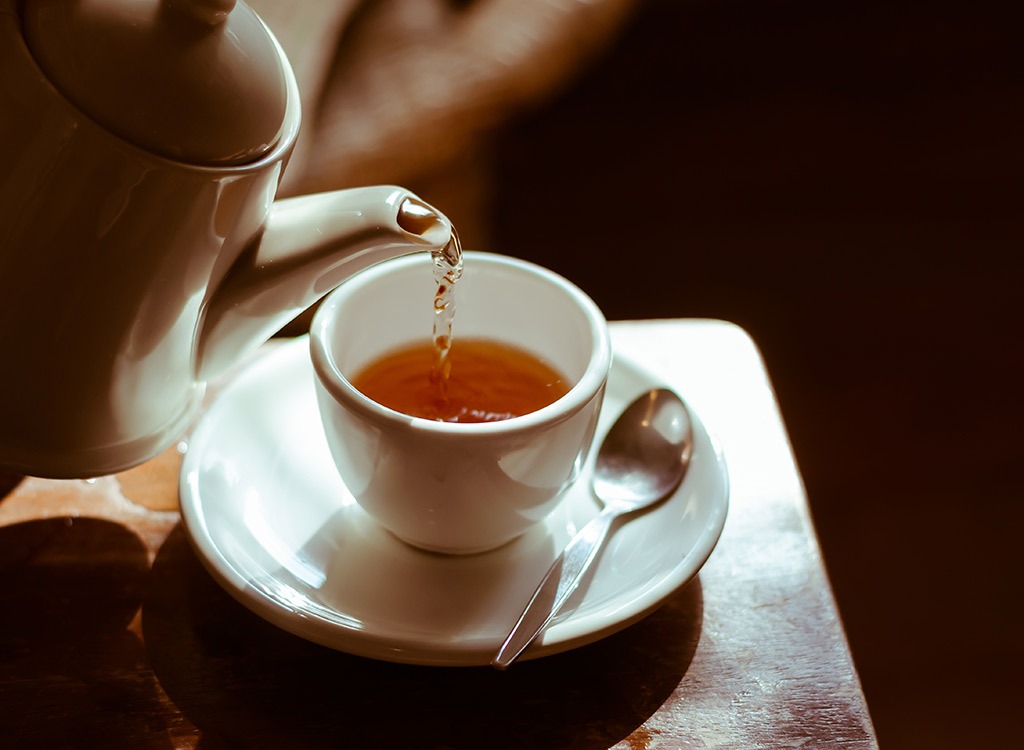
(641, 461)
(645, 453)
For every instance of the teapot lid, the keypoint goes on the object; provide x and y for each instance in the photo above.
(199, 81)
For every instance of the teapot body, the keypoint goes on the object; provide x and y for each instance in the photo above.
(124, 275)
(107, 256)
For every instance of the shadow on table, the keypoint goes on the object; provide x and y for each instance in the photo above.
(245, 683)
(8, 483)
(71, 672)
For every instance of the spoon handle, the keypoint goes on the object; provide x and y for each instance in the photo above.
(557, 586)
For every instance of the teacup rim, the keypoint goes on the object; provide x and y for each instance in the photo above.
(341, 390)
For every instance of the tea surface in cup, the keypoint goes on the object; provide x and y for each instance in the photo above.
(484, 380)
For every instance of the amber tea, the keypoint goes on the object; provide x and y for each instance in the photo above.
(477, 381)
(487, 381)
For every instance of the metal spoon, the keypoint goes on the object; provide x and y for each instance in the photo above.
(641, 462)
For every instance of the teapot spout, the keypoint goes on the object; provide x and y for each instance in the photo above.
(309, 245)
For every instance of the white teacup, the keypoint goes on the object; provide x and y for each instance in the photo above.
(457, 487)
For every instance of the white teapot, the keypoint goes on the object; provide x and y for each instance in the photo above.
(141, 249)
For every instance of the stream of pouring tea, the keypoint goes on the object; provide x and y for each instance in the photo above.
(447, 272)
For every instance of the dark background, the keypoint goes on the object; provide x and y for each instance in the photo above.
(843, 180)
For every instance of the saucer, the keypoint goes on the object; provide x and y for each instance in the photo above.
(272, 521)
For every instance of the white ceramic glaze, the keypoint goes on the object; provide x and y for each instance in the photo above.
(203, 78)
(447, 487)
(274, 523)
(127, 278)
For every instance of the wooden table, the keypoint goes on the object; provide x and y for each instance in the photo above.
(113, 635)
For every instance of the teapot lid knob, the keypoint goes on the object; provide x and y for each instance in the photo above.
(199, 81)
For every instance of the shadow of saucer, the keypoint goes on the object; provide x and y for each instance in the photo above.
(244, 682)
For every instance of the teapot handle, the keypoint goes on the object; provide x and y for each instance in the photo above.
(309, 245)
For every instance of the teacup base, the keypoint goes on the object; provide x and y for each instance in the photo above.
(453, 551)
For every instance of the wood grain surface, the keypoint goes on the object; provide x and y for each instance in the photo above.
(113, 635)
